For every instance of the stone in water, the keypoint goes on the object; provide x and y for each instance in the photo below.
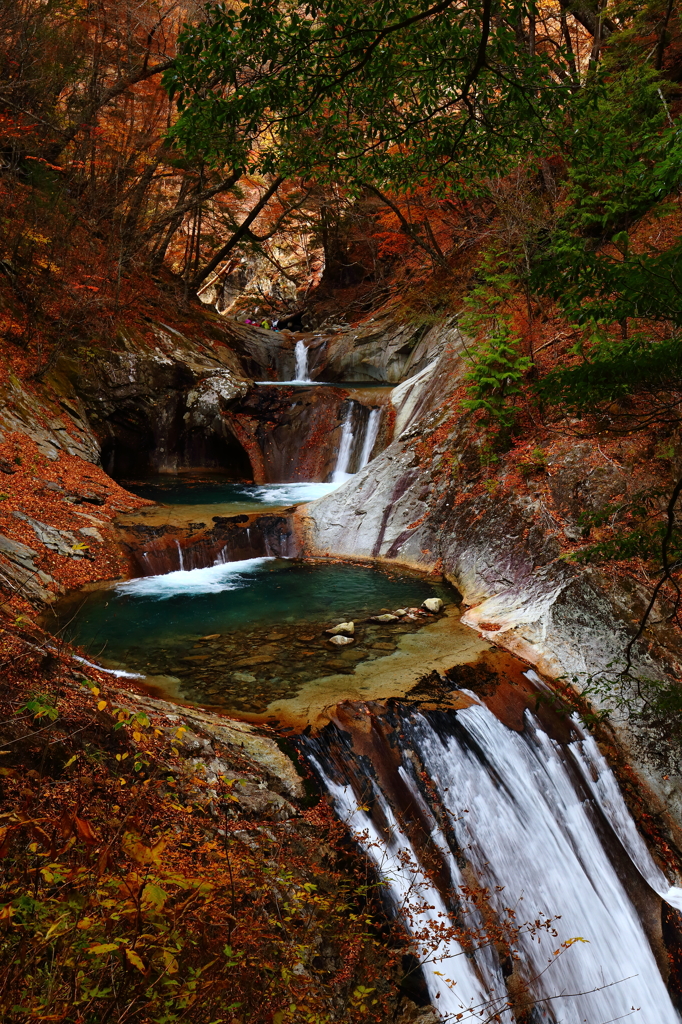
(432, 604)
(340, 640)
(388, 617)
(242, 677)
(343, 627)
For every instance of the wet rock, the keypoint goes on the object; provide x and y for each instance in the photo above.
(386, 617)
(348, 628)
(256, 659)
(340, 641)
(242, 677)
(433, 604)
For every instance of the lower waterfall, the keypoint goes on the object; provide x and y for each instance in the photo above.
(464, 819)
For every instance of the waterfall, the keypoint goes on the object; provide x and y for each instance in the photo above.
(367, 430)
(345, 447)
(371, 433)
(540, 825)
(180, 556)
(301, 353)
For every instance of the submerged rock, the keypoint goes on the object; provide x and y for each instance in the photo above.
(242, 677)
(340, 640)
(433, 604)
(343, 627)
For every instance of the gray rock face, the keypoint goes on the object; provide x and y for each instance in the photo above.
(64, 542)
(383, 348)
(19, 574)
(160, 409)
(55, 425)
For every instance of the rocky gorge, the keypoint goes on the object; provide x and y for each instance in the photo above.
(406, 493)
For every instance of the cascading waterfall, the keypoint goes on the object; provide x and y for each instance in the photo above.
(542, 826)
(181, 559)
(371, 434)
(345, 446)
(355, 428)
(301, 353)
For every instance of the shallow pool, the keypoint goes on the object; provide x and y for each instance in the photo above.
(246, 633)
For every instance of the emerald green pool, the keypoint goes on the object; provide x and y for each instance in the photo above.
(244, 633)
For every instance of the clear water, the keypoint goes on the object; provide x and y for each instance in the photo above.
(152, 623)
(183, 490)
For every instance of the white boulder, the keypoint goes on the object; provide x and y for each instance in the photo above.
(343, 627)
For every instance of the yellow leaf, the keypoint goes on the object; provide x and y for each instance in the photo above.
(135, 960)
(70, 761)
(101, 705)
(104, 947)
(84, 924)
(137, 736)
(95, 691)
(140, 853)
(170, 962)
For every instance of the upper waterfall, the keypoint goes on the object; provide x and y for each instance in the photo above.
(301, 354)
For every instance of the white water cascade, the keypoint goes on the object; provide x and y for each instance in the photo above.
(366, 431)
(371, 434)
(544, 828)
(341, 473)
(301, 354)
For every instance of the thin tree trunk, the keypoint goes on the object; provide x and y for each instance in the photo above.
(238, 234)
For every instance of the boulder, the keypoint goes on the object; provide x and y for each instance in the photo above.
(340, 640)
(343, 627)
(433, 604)
(242, 677)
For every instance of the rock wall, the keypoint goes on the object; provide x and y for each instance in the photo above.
(382, 348)
(160, 409)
